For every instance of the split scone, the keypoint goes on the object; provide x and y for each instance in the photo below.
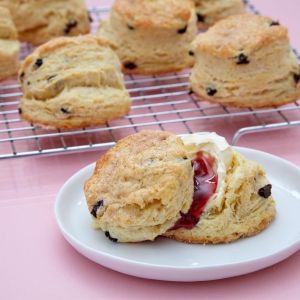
(9, 45)
(39, 21)
(245, 61)
(210, 12)
(151, 36)
(193, 188)
(71, 83)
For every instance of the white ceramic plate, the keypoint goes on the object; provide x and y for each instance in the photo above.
(165, 259)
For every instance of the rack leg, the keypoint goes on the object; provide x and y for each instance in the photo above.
(262, 128)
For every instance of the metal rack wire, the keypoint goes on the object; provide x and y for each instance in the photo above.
(159, 102)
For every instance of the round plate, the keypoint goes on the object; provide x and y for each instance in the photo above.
(166, 259)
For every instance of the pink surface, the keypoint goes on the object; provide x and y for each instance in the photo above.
(37, 263)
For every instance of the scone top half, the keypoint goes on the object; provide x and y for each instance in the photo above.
(248, 33)
(72, 83)
(245, 61)
(152, 37)
(65, 62)
(154, 14)
(140, 187)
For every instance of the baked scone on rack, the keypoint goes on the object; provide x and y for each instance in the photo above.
(73, 82)
(194, 188)
(245, 61)
(9, 45)
(152, 37)
(210, 12)
(39, 21)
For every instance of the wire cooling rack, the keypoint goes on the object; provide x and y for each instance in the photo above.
(159, 102)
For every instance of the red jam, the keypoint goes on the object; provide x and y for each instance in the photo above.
(205, 185)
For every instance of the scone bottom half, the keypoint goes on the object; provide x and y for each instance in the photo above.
(245, 61)
(73, 82)
(242, 204)
(185, 188)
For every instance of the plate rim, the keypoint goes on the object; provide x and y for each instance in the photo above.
(275, 257)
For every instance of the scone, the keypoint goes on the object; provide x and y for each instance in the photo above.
(39, 21)
(71, 83)
(195, 189)
(152, 37)
(9, 45)
(245, 61)
(140, 187)
(232, 197)
(210, 12)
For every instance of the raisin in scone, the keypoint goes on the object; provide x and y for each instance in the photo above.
(245, 61)
(39, 21)
(9, 45)
(71, 83)
(140, 187)
(152, 37)
(232, 195)
(210, 12)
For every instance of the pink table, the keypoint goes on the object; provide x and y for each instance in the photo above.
(37, 263)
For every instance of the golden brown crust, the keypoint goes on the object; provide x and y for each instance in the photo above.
(134, 144)
(151, 43)
(246, 33)
(156, 13)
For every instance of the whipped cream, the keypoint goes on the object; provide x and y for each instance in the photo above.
(216, 146)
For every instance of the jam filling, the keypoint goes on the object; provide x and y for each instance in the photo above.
(205, 185)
